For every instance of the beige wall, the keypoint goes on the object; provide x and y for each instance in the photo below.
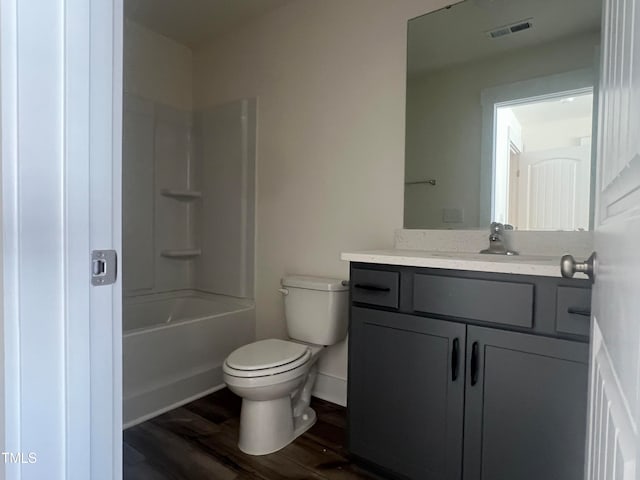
(330, 80)
(444, 125)
(156, 67)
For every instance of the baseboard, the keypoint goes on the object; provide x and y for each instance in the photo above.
(332, 389)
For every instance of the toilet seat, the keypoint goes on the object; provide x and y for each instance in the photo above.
(266, 358)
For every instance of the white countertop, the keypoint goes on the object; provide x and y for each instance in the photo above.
(546, 266)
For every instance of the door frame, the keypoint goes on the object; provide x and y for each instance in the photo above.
(61, 97)
(511, 94)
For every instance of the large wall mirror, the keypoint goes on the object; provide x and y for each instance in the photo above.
(500, 115)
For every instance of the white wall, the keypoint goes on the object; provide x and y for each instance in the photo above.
(508, 132)
(156, 67)
(444, 125)
(330, 80)
(556, 133)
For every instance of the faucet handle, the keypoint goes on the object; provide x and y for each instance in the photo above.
(496, 227)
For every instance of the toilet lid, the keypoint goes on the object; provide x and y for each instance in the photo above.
(265, 354)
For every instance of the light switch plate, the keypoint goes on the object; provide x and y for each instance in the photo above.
(452, 215)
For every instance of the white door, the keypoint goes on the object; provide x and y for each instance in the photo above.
(614, 401)
(60, 81)
(554, 189)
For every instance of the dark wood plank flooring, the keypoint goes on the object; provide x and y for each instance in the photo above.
(199, 441)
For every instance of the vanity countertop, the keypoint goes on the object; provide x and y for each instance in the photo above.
(546, 266)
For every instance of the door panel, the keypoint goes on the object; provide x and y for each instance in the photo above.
(525, 415)
(405, 408)
(615, 362)
(612, 447)
(545, 206)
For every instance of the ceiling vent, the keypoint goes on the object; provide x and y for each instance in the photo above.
(519, 26)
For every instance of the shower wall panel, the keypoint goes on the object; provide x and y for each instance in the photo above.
(156, 156)
(173, 216)
(210, 153)
(225, 140)
(137, 194)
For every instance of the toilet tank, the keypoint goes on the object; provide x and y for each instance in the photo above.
(316, 309)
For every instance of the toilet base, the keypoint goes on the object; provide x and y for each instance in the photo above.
(268, 426)
(304, 422)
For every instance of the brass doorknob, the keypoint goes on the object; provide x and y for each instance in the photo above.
(569, 266)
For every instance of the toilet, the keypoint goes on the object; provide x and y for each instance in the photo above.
(275, 377)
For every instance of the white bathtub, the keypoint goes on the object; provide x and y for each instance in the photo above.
(173, 348)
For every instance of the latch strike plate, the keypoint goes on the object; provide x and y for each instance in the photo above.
(104, 267)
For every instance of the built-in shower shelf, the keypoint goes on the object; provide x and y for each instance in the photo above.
(181, 194)
(184, 253)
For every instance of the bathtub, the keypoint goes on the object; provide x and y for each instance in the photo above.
(173, 348)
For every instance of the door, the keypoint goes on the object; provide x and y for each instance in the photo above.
(554, 189)
(60, 80)
(525, 407)
(614, 399)
(406, 393)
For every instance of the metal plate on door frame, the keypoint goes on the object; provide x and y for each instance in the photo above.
(104, 267)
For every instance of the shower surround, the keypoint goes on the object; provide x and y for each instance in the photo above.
(188, 246)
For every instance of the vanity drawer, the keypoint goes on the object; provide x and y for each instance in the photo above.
(375, 287)
(486, 300)
(573, 311)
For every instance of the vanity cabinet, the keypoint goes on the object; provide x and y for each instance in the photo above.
(407, 393)
(467, 375)
(525, 406)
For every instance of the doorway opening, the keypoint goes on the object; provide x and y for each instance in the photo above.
(542, 161)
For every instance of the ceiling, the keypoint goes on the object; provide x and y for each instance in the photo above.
(560, 108)
(458, 34)
(194, 22)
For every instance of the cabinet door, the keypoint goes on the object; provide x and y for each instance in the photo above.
(406, 393)
(525, 409)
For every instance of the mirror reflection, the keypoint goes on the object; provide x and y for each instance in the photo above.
(500, 109)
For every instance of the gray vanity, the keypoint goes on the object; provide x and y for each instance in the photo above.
(470, 366)
(457, 374)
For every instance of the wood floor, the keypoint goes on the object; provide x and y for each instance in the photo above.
(199, 441)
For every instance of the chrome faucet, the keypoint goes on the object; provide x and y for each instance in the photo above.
(497, 244)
